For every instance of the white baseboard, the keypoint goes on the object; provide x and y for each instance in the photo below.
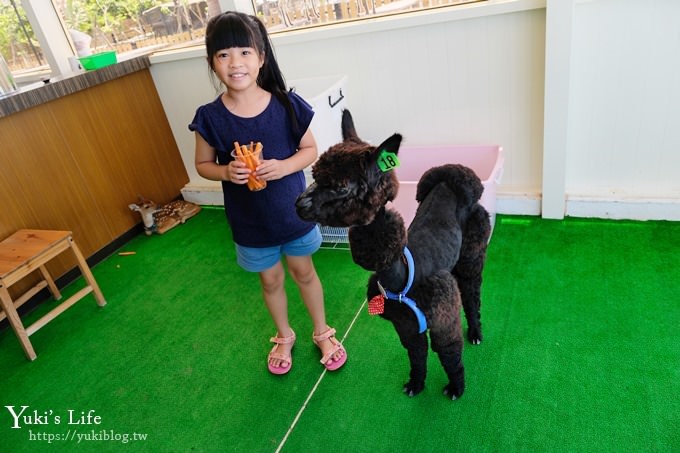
(629, 208)
(626, 208)
(204, 195)
(518, 203)
(524, 203)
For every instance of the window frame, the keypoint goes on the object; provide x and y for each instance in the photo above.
(59, 47)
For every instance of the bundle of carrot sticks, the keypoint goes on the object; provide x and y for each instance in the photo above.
(250, 156)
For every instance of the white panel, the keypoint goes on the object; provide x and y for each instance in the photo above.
(183, 85)
(475, 81)
(625, 137)
(557, 90)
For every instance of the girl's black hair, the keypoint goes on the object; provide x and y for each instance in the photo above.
(235, 29)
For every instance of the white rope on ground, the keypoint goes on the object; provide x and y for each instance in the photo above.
(318, 382)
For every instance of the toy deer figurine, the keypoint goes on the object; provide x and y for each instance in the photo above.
(160, 218)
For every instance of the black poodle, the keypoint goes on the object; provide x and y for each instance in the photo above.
(421, 276)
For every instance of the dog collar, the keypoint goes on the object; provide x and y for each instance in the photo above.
(376, 306)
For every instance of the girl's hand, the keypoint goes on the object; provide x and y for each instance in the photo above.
(272, 169)
(237, 172)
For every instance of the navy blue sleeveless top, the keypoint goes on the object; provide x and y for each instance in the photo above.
(265, 218)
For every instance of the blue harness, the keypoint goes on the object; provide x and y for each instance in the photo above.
(402, 297)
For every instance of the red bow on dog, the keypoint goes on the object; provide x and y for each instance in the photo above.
(376, 306)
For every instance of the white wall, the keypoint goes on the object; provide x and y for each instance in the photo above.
(624, 127)
(476, 75)
(471, 81)
(183, 84)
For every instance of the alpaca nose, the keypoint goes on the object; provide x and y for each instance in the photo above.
(303, 203)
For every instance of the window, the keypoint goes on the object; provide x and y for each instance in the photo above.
(280, 15)
(18, 44)
(131, 27)
(128, 27)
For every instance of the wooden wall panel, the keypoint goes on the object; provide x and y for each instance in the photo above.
(75, 163)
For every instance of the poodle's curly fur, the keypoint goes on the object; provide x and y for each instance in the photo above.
(447, 238)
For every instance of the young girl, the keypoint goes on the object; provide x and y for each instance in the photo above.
(257, 107)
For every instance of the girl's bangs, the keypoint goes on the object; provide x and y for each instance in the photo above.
(231, 31)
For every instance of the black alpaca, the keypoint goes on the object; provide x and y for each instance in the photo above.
(442, 255)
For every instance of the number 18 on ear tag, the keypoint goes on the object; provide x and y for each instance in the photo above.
(387, 161)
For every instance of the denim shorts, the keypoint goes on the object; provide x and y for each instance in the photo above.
(258, 259)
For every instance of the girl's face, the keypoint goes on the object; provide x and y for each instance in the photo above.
(238, 67)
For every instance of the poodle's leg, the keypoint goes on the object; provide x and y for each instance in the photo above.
(471, 296)
(468, 270)
(449, 348)
(416, 347)
(405, 324)
(446, 333)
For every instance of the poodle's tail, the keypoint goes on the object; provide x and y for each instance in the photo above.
(349, 132)
(460, 179)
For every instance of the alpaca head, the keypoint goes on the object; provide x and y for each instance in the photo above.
(350, 186)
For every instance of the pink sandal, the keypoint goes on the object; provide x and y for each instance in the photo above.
(337, 346)
(276, 355)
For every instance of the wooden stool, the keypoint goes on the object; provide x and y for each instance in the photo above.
(24, 252)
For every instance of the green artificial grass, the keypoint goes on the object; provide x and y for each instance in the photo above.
(581, 353)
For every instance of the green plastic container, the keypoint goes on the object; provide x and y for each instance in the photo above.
(98, 60)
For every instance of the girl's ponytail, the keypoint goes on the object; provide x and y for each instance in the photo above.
(271, 78)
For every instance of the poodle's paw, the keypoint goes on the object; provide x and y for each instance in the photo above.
(412, 388)
(454, 391)
(474, 335)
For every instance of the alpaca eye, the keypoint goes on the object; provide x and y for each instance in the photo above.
(344, 190)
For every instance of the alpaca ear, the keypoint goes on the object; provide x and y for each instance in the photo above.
(391, 145)
(349, 132)
(385, 155)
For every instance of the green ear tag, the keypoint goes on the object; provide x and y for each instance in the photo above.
(387, 161)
